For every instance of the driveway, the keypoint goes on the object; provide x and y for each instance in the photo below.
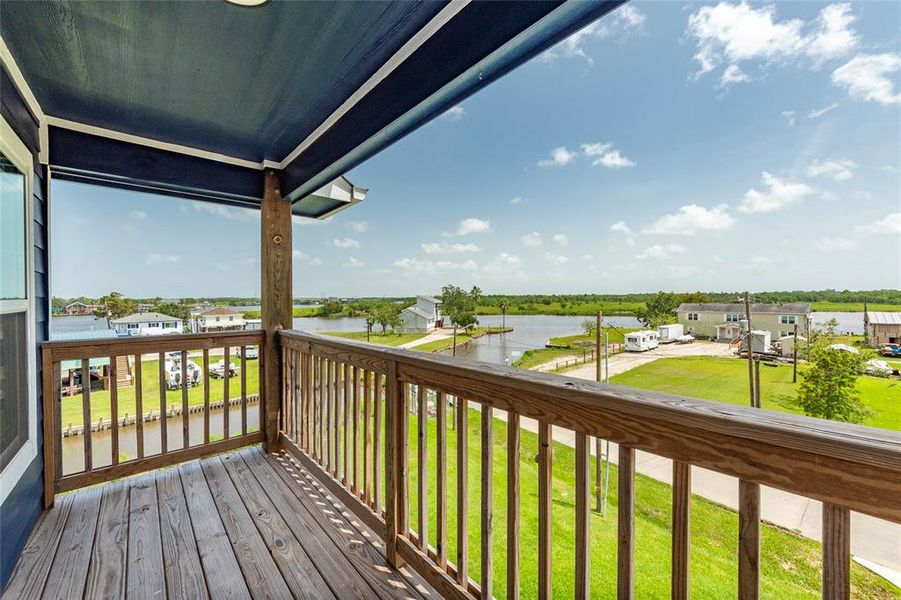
(626, 361)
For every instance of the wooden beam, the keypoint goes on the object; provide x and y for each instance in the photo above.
(748, 540)
(275, 277)
(836, 552)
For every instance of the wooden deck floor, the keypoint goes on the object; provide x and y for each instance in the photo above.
(239, 525)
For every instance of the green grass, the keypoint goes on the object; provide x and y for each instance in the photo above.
(852, 307)
(462, 338)
(387, 339)
(568, 346)
(790, 564)
(567, 309)
(726, 380)
(71, 411)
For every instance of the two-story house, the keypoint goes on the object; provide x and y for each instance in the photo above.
(147, 323)
(220, 319)
(425, 315)
(722, 321)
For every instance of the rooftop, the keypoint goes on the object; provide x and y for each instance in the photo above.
(219, 310)
(884, 318)
(145, 317)
(739, 307)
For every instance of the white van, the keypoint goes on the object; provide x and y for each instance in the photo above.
(642, 341)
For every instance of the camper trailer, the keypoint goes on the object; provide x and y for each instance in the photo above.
(641, 341)
(670, 333)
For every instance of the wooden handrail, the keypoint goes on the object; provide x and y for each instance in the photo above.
(53, 353)
(848, 467)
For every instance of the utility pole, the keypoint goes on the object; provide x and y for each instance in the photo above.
(795, 356)
(751, 386)
(455, 340)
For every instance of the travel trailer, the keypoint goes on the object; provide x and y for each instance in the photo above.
(670, 333)
(641, 341)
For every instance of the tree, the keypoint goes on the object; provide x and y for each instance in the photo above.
(504, 305)
(387, 315)
(476, 293)
(659, 309)
(828, 387)
(459, 305)
(180, 310)
(830, 326)
(589, 325)
(331, 307)
(114, 306)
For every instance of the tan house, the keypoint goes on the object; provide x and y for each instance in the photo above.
(221, 319)
(722, 321)
(882, 327)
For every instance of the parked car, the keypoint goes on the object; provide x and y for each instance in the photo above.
(890, 350)
(218, 370)
(252, 352)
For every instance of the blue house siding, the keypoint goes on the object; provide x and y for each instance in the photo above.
(22, 507)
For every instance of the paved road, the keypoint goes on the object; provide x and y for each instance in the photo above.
(872, 539)
(432, 337)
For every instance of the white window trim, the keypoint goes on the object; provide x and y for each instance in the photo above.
(18, 153)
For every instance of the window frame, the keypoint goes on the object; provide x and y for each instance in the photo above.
(17, 152)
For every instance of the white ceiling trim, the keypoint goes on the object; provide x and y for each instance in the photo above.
(19, 79)
(412, 45)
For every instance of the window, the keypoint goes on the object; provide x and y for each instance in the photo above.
(18, 394)
(783, 334)
(733, 317)
(787, 319)
(132, 325)
(153, 324)
(692, 316)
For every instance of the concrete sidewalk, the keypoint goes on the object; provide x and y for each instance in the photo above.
(432, 337)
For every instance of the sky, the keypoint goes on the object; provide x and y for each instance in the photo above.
(718, 146)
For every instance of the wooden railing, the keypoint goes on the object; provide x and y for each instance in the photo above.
(345, 414)
(101, 423)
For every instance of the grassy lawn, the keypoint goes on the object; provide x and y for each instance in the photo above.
(790, 564)
(386, 339)
(852, 307)
(568, 346)
(567, 308)
(726, 380)
(100, 399)
(462, 338)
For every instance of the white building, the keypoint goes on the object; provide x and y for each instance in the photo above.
(425, 315)
(220, 319)
(148, 323)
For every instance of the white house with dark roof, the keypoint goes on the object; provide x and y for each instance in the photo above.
(425, 315)
(148, 323)
(220, 318)
(722, 321)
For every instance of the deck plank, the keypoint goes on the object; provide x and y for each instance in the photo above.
(292, 560)
(70, 564)
(107, 574)
(30, 575)
(184, 575)
(365, 551)
(223, 574)
(260, 572)
(146, 575)
(358, 574)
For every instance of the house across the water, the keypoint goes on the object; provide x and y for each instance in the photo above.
(148, 323)
(78, 309)
(425, 315)
(722, 321)
(220, 319)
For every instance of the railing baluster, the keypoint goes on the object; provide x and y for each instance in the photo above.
(206, 396)
(441, 441)
(487, 532)
(396, 452)
(184, 399)
(513, 505)
(244, 391)
(625, 573)
(545, 503)
(164, 416)
(139, 404)
(355, 415)
(681, 550)
(86, 413)
(114, 409)
(317, 408)
(377, 446)
(226, 395)
(367, 413)
(345, 406)
(58, 417)
(583, 517)
(423, 468)
(836, 552)
(748, 540)
(330, 416)
(462, 490)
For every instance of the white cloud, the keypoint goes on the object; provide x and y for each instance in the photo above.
(661, 251)
(626, 19)
(816, 114)
(454, 113)
(358, 226)
(837, 169)
(556, 258)
(505, 267)
(418, 265)
(345, 243)
(155, 258)
(889, 224)
(531, 239)
(682, 270)
(865, 77)
(781, 194)
(587, 256)
(473, 225)
(606, 155)
(352, 263)
(137, 215)
(446, 248)
(231, 213)
(306, 258)
(832, 244)
(517, 200)
(560, 156)
(562, 239)
(621, 227)
(734, 33)
(789, 116)
(691, 219)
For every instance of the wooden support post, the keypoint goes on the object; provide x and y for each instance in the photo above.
(275, 278)
(836, 552)
(748, 540)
